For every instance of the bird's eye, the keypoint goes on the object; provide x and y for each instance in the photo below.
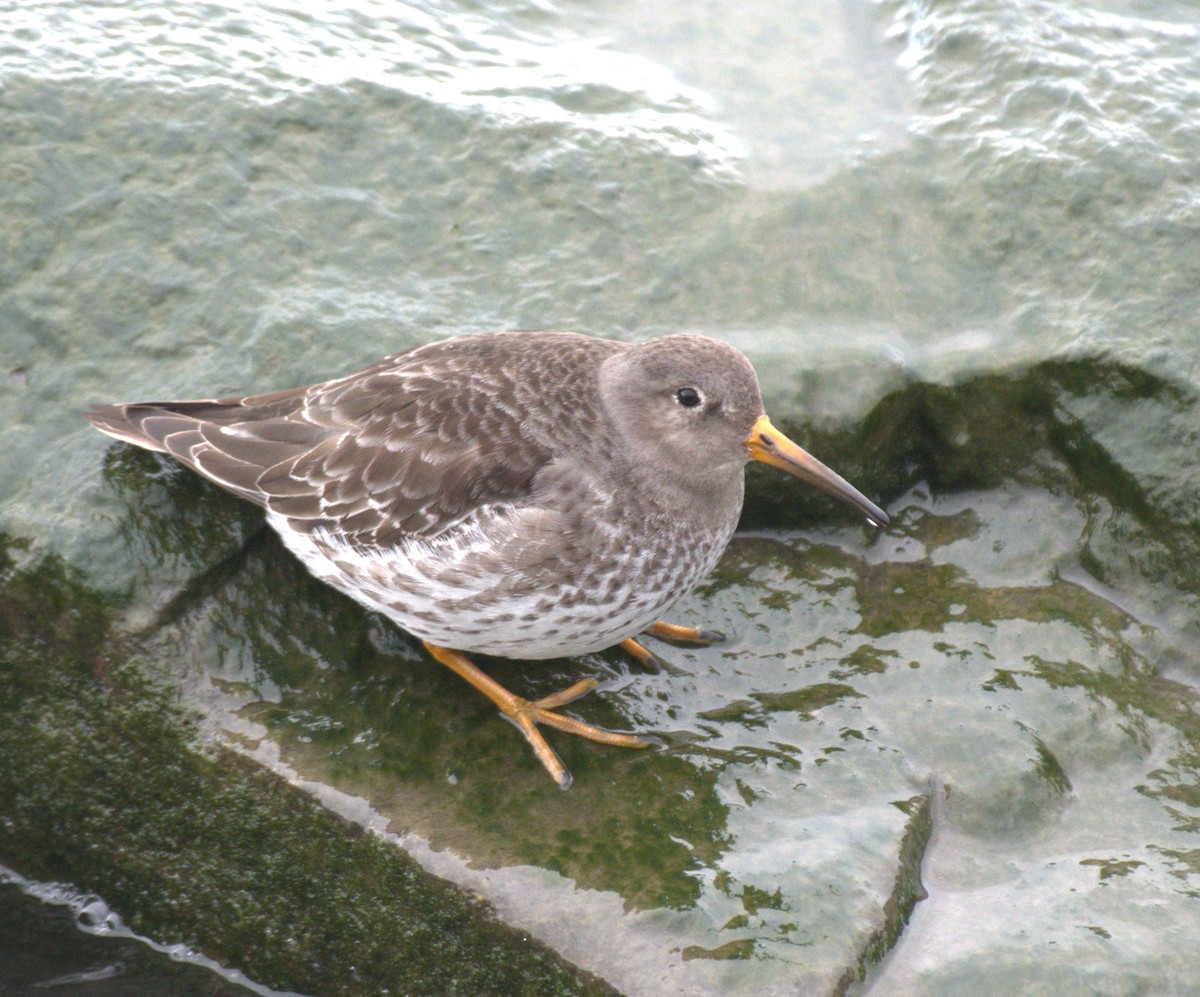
(688, 397)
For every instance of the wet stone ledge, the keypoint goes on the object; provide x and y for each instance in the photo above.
(876, 686)
(105, 784)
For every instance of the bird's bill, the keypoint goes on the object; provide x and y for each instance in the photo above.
(769, 445)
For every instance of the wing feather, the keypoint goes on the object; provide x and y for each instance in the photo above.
(405, 448)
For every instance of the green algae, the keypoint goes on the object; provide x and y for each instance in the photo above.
(42, 948)
(808, 700)
(640, 824)
(1050, 768)
(893, 594)
(103, 783)
(1108, 868)
(907, 891)
(740, 948)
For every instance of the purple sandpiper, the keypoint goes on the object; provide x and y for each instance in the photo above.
(529, 495)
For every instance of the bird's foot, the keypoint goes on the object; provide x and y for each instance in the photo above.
(684, 635)
(643, 655)
(526, 714)
(669, 632)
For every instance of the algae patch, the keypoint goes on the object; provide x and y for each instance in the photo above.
(103, 784)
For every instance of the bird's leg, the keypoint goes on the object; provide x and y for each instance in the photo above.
(683, 635)
(526, 714)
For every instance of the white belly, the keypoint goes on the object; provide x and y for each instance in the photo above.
(430, 589)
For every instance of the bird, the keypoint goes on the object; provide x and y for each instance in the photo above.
(528, 495)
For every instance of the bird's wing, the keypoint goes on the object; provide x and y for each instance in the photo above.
(398, 450)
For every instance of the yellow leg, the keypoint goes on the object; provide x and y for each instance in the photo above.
(684, 635)
(526, 714)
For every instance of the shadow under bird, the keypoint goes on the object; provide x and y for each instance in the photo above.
(529, 495)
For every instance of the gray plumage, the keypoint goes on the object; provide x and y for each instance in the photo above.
(530, 494)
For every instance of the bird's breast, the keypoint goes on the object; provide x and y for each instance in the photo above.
(530, 582)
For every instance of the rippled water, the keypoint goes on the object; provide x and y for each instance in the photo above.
(959, 241)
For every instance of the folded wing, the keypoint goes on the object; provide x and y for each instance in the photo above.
(398, 450)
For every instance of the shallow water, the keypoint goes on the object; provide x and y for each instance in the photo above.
(55, 940)
(958, 241)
